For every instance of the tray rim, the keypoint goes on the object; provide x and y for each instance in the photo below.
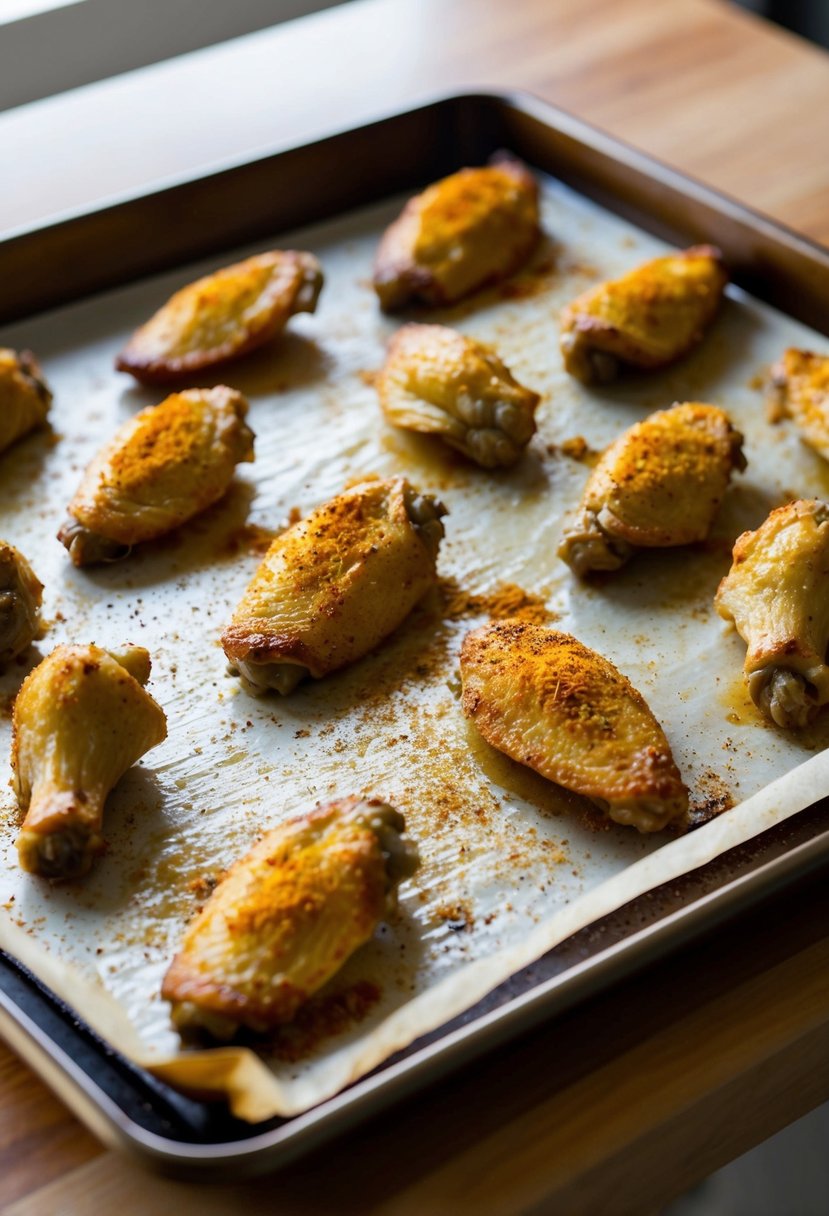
(268, 1150)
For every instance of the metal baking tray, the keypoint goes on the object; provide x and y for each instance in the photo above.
(82, 254)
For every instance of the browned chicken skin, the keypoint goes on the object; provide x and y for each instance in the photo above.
(800, 381)
(647, 319)
(81, 719)
(223, 316)
(21, 593)
(777, 595)
(286, 917)
(334, 585)
(659, 484)
(24, 395)
(162, 467)
(476, 227)
(438, 382)
(553, 704)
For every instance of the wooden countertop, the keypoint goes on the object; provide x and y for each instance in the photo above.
(629, 1099)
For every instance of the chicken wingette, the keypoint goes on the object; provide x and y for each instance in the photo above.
(286, 917)
(438, 382)
(25, 397)
(777, 595)
(334, 585)
(553, 704)
(659, 484)
(800, 381)
(21, 594)
(476, 227)
(80, 720)
(647, 319)
(161, 468)
(223, 316)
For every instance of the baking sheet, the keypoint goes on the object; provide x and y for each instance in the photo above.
(511, 865)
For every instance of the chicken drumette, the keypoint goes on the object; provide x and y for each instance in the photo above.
(21, 593)
(473, 228)
(660, 484)
(161, 468)
(81, 719)
(777, 595)
(645, 320)
(24, 395)
(440, 383)
(800, 382)
(334, 585)
(553, 704)
(286, 917)
(223, 316)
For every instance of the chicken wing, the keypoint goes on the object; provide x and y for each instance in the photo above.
(473, 228)
(551, 703)
(81, 719)
(286, 917)
(660, 484)
(440, 383)
(223, 316)
(647, 319)
(801, 385)
(334, 585)
(24, 395)
(777, 595)
(21, 593)
(161, 468)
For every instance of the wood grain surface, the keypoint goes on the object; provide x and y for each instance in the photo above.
(625, 1102)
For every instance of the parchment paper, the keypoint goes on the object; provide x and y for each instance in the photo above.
(511, 865)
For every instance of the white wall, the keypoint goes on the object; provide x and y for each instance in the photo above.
(50, 51)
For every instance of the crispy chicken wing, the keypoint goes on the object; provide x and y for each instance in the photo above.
(440, 383)
(551, 703)
(24, 395)
(81, 719)
(21, 593)
(334, 585)
(286, 917)
(223, 316)
(777, 595)
(161, 468)
(801, 384)
(660, 484)
(473, 228)
(647, 319)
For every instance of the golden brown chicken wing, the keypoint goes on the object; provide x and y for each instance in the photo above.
(777, 595)
(161, 468)
(24, 395)
(81, 719)
(334, 585)
(801, 385)
(553, 704)
(21, 593)
(660, 484)
(440, 383)
(286, 917)
(223, 316)
(647, 319)
(468, 230)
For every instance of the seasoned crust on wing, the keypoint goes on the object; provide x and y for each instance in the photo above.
(162, 467)
(223, 316)
(335, 584)
(800, 382)
(287, 915)
(470, 229)
(647, 319)
(550, 702)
